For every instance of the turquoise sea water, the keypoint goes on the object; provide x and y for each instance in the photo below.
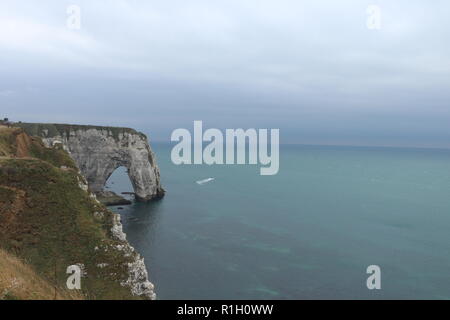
(309, 232)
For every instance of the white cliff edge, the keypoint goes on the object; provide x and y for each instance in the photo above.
(137, 280)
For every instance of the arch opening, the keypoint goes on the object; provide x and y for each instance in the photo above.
(118, 188)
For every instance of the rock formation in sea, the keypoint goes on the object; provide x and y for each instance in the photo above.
(98, 151)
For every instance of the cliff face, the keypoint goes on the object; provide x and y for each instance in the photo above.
(50, 220)
(98, 151)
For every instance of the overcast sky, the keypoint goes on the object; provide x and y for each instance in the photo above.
(311, 68)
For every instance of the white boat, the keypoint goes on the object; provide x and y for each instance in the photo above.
(200, 182)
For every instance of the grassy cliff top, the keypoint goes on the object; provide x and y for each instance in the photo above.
(57, 129)
(49, 222)
(16, 143)
(19, 281)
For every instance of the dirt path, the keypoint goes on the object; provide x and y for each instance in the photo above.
(9, 210)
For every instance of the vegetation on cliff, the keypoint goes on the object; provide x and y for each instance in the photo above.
(19, 281)
(54, 129)
(49, 221)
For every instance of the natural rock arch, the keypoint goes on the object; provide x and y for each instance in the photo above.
(98, 151)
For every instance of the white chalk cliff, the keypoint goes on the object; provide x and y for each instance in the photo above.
(98, 151)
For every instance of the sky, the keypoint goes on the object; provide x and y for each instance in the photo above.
(313, 69)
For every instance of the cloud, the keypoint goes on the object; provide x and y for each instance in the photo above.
(6, 93)
(309, 67)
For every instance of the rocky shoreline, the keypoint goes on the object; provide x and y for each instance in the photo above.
(137, 280)
(109, 198)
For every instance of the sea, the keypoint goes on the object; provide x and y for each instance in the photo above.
(309, 232)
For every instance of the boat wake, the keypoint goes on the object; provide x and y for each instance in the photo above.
(200, 182)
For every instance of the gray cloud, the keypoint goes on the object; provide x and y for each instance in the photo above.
(310, 68)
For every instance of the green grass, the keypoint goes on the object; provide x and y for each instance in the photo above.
(56, 155)
(47, 220)
(6, 142)
(52, 130)
(19, 281)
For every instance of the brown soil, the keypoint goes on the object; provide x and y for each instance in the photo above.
(23, 142)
